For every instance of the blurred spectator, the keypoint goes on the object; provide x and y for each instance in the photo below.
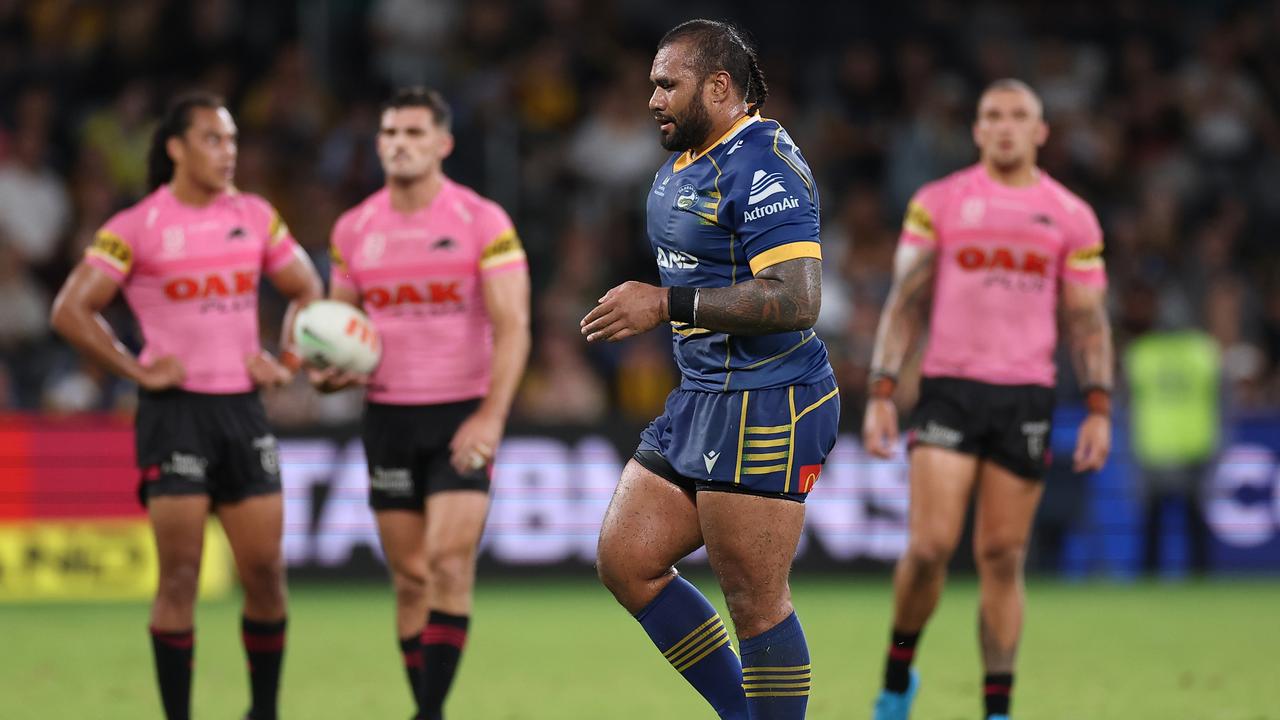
(24, 312)
(120, 135)
(1175, 413)
(560, 387)
(34, 208)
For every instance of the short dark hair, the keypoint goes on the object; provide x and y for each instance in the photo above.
(1016, 85)
(176, 120)
(721, 46)
(423, 97)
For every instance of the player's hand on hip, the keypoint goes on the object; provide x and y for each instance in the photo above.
(475, 442)
(163, 373)
(331, 380)
(880, 427)
(1093, 444)
(629, 309)
(266, 371)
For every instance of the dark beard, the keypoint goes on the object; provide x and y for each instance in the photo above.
(690, 131)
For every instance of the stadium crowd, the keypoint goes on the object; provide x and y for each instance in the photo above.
(1164, 116)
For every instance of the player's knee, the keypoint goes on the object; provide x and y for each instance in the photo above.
(410, 588)
(755, 609)
(929, 556)
(1001, 559)
(179, 584)
(451, 570)
(611, 567)
(263, 580)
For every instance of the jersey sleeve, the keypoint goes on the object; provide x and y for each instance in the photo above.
(1083, 263)
(113, 248)
(500, 248)
(919, 226)
(281, 247)
(341, 242)
(775, 209)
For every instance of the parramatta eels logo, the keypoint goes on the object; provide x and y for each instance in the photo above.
(686, 196)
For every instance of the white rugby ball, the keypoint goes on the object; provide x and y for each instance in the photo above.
(329, 333)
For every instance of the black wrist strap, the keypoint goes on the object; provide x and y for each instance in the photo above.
(682, 304)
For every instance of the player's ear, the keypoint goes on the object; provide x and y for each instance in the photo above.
(176, 148)
(446, 145)
(720, 86)
(1042, 133)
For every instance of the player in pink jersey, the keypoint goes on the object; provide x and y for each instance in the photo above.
(189, 258)
(443, 277)
(990, 258)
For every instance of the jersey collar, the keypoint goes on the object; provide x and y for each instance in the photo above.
(685, 159)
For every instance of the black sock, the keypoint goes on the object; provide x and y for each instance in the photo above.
(442, 643)
(173, 652)
(997, 689)
(411, 651)
(264, 646)
(902, 650)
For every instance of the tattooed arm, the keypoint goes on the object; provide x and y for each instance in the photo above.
(1088, 331)
(1084, 317)
(906, 312)
(902, 323)
(781, 297)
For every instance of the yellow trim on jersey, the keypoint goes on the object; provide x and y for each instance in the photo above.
(783, 253)
(790, 693)
(685, 160)
(767, 429)
(277, 230)
(503, 249)
(919, 221)
(766, 443)
(791, 444)
(742, 431)
(777, 135)
(754, 457)
(824, 398)
(335, 256)
(687, 330)
(113, 249)
(1089, 258)
(782, 354)
(763, 469)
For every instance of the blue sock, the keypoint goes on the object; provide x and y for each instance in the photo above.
(692, 637)
(775, 672)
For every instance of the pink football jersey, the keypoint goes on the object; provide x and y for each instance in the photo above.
(420, 278)
(1001, 253)
(190, 275)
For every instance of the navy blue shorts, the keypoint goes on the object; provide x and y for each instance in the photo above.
(763, 442)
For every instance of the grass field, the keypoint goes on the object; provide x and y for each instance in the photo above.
(562, 649)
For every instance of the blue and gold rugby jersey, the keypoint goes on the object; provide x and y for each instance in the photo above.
(714, 220)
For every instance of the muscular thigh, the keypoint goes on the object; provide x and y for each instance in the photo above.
(403, 534)
(650, 524)
(750, 539)
(1006, 509)
(942, 482)
(455, 521)
(254, 528)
